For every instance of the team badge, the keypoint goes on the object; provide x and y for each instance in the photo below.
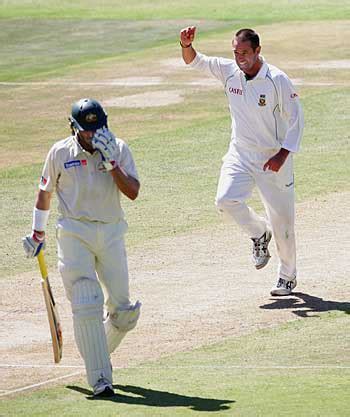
(101, 167)
(262, 100)
(91, 118)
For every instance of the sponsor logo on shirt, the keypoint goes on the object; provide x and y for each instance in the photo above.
(236, 91)
(43, 180)
(262, 100)
(75, 163)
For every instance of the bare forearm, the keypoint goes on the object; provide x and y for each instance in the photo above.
(187, 36)
(188, 54)
(127, 184)
(43, 200)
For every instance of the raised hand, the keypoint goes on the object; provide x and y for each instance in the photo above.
(187, 36)
(104, 141)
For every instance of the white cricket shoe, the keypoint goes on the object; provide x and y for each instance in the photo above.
(261, 254)
(103, 388)
(283, 287)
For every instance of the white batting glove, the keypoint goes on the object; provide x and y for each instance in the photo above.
(104, 141)
(33, 244)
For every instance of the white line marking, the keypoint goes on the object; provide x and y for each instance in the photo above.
(243, 367)
(39, 384)
(2, 365)
(43, 366)
(2, 394)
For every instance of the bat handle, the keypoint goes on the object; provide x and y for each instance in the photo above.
(42, 264)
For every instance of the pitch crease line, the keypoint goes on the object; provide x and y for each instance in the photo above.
(2, 365)
(183, 367)
(244, 367)
(39, 384)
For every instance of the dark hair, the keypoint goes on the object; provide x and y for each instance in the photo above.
(249, 35)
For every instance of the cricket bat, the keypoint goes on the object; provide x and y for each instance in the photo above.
(52, 313)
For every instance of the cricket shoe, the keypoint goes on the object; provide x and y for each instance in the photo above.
(261, 254)
(283, 287)
(103, 388)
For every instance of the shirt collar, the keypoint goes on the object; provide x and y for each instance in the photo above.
(263, 70)
(77, 148)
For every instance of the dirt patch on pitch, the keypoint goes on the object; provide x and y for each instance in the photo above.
(196, 289)
(148, 99)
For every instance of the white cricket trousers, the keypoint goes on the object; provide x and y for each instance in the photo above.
(91, 257)
(242, 169)
(86, 248)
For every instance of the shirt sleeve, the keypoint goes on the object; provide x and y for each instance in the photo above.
(211, 65)
(292, 112)
(49, 176)
(127, 161)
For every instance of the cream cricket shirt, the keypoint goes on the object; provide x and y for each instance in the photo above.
(84, 189)
(265, 111)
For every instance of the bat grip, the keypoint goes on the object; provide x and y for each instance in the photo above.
(42, 264)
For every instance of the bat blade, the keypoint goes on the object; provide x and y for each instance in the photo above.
(52, 312)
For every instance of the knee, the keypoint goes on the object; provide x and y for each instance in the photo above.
(225, 204)
(87, 298)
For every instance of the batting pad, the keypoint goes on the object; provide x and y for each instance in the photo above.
(119, 323)
(89, 332)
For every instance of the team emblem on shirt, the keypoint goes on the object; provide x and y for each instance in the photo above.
(262, 100)
(102, 168)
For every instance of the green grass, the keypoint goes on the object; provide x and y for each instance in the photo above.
(179, 167)
(33, 48)
(294, 369)
(260, 10)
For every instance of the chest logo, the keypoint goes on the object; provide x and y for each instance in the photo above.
(262, 100)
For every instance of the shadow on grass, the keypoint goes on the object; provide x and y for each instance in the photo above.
(304, 305)
(155, 398)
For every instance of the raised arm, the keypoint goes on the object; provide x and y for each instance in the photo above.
(186, 38)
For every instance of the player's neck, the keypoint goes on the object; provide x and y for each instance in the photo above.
(254, 70)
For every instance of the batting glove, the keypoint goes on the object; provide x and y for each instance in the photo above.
(33, 244)
(104, 141)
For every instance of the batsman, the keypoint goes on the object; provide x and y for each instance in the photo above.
(89, 170)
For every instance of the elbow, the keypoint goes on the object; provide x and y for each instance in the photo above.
(133, 196)
(135, 192)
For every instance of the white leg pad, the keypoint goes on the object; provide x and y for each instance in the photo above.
(90, 336)
(119, 323)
